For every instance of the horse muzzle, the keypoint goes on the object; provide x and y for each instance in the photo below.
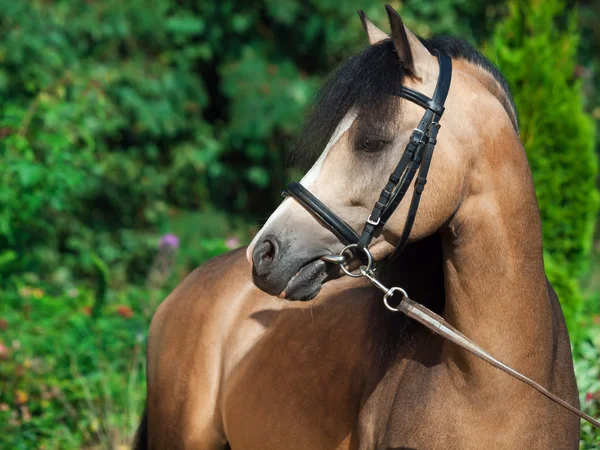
(292, 274)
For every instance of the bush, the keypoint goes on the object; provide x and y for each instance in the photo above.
(116, 117)
(587, 355)
(537, 54)
(103, 131)
(68, 381)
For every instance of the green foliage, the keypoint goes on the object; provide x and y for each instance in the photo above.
(587, 355)
(116, 116)
(589, 49)
(569, 292)
(537, 54)
(102, 128)
(66, 380)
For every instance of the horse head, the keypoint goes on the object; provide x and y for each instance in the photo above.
(362, 126)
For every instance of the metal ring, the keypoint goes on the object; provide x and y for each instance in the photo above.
(369, 260)
(389, 294)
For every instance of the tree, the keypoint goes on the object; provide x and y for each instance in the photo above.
(535, 47)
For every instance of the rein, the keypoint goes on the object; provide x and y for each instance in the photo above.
(416, 156)
(438, 325)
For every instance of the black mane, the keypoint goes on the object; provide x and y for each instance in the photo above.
(367, 81)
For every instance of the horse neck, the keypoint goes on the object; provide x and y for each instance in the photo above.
(495, 284)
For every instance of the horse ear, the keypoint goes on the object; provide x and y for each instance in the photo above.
(409, 48)
(374, 34)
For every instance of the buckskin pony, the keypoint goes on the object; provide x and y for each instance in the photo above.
(272, 348)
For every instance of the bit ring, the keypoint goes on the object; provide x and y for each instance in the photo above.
(369, 261)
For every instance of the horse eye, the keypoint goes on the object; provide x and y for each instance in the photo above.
(371, 145)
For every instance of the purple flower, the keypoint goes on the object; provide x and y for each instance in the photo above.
(169, 240)
(232, 243)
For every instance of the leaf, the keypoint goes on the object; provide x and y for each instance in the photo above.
(259, 176)
(7, 257)
(187, 25)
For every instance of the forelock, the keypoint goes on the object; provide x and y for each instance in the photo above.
(367, 82)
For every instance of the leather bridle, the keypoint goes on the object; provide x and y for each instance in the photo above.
(417, 155)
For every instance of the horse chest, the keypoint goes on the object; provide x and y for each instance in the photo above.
(301, 385)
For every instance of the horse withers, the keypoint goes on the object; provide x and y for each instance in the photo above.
(272, 348)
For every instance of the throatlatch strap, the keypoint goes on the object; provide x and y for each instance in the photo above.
(419, 187)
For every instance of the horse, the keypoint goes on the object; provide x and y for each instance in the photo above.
(270, 347)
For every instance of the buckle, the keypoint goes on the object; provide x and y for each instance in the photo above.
(417, 136)
(372, 222)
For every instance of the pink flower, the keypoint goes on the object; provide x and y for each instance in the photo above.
(232, 243)
(589, 397)
(169, 240)
(4, 351)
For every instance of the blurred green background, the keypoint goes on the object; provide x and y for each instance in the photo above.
(138, 139)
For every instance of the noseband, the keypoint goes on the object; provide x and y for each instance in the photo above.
(417, 155)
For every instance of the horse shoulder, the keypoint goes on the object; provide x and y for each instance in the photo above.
(183, 313)
(185, 351)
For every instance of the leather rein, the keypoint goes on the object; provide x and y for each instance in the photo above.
(417, 156)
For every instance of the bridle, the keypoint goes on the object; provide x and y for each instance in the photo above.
(417, 155)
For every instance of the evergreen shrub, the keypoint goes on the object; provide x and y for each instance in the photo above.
(535, 47)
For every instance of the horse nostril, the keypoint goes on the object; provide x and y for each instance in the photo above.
(270, 253)
(264, 255)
